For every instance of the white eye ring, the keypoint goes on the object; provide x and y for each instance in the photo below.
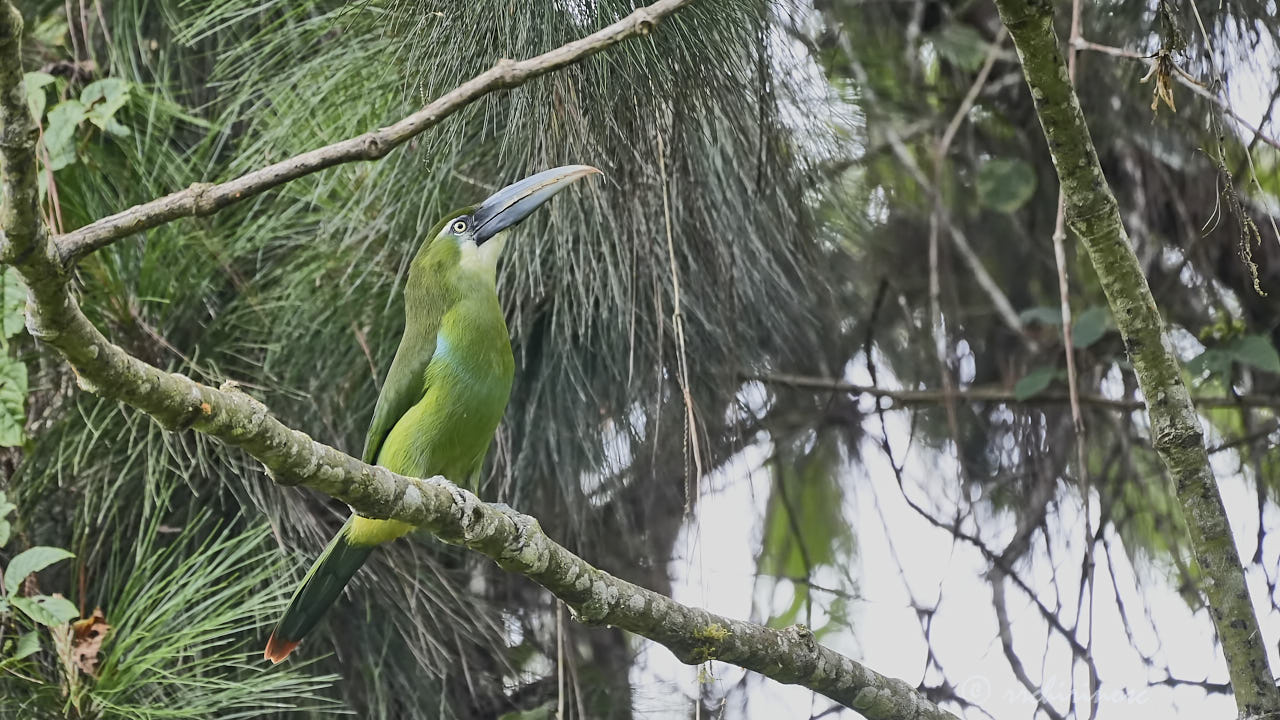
(459, 226)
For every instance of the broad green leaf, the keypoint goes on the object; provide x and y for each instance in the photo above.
(103, 98)
(31, 561)
(47, 610)
(14, 300)
(1255, 351)
(1042, 314)
(28, 644)
(1034, 382)
(112, 91)
(1006, 184)
(1213, 361)
(113, 127)
(1089, 327)
(36, 99)
(5, 530)
(13, 396)
(60, 133)
(805, 527)
(961, 44)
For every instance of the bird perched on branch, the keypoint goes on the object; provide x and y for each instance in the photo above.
(447, 387)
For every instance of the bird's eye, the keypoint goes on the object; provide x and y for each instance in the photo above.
(459, 226)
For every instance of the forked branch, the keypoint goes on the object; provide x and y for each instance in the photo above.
(513, 540)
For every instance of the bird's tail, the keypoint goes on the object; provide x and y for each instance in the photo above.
(319, 589)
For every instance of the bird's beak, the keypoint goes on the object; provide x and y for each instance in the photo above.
(517, 201)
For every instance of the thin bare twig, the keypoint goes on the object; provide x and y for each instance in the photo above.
(677, 322)
(941, 342)
(1219, 83)
(975, 89)
(941, 349)
(1006, 644)
(1073, 378)
(909, 398)
(999, 301)
(999, 561)
(1193, 86)
(1004, 308)
(1247, 439)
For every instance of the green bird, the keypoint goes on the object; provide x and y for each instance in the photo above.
(447, 387)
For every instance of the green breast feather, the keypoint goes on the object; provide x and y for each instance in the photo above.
(449, 383)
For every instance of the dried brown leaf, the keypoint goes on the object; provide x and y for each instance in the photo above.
(86, 643)
(1162, 71)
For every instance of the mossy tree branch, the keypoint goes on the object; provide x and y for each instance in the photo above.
(514, 541)
(1094, 216)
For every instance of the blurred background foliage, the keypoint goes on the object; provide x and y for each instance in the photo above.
(787, 165)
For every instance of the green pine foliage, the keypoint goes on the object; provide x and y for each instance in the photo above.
(295, 294)
(183, 607)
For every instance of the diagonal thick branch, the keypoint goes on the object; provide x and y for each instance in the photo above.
(1094, 216)
(514, 541)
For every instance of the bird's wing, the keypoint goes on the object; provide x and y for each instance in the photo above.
(405, 386)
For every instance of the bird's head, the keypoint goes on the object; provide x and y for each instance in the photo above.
(477, 231)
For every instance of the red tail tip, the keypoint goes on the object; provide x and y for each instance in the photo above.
(277, 649)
